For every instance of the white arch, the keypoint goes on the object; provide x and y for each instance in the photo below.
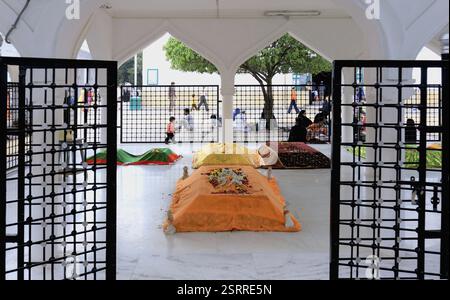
(327, 48)
(12, 46)
(373, 35)
(71, 34)
(7, 18)
(416, 44)
(161, 29)
(423, 26)
(260, 45)
(107, 35)
(246, 36)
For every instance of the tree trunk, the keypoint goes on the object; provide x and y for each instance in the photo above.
(267, 112)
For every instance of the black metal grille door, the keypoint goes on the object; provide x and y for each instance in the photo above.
(146, 110)
(390, 176)
(58, 210)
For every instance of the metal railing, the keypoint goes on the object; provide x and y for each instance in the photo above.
(380, 223)
(251, 104)
(146, 111)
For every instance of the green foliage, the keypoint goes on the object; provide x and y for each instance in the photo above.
(434, 157)
(184, 59)
(286, 55)
(126, 71)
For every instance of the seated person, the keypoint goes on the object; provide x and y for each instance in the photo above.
(411, 132)
(298, 132)
(304, 119)
(317, 130)
(320, 117)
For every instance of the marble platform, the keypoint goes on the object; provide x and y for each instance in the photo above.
(145, 252)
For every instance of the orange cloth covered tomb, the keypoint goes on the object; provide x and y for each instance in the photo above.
(199, 206)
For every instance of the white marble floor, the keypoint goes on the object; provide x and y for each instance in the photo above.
(145, 252)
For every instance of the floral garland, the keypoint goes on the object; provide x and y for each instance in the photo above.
(229, 181)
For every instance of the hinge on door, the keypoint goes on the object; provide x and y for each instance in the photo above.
(416, 191)
(435, 200)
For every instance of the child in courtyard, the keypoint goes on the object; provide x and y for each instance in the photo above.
(170, 131)
(188, 122)
(194, 103)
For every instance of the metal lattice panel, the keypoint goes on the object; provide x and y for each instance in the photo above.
(12, 116)
(249, 120)
(12, 119)
(389, 199)
(434, 110)
(60, 210)
(146, 110)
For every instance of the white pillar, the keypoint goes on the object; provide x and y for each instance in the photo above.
(227, 92)
(14, 73)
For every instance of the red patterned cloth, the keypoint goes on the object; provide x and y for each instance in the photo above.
(300, 156)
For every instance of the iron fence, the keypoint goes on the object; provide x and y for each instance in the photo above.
(58, 211)
(12, 123)
(252, 101)
(12, 117)
(146, 111)
(434, 113)
(389, 190)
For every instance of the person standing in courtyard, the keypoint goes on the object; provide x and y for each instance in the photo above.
(322, 91)
(172, 97)
(360, 95)
(170, 131)
(309, 90)
(315, 94)
(194, 103)
(203, 101)
(326, 107)
(293, 104)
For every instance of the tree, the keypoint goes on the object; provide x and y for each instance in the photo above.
(126, 71)
(284, 56)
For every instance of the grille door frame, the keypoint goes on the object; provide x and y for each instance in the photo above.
(107, 69)
(343, 265)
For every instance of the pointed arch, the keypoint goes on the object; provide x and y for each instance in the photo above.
(160, 29)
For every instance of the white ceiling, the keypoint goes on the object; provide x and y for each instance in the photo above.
(31, 16)
(208, 8)
(414, 9)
